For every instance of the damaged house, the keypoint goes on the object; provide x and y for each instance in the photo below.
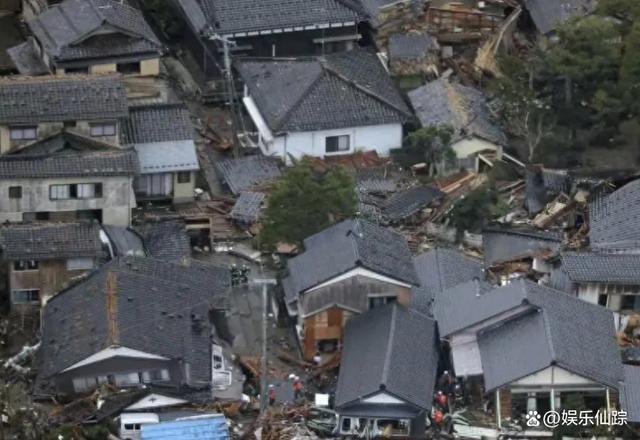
(41, 258)
(163, 137)
(68, 176)
(477, 139)
(393, 397)
(548, 14)
(267, 28)
(134, 321)
(347, 269)
(34, 108)
(521, 340)
(89, 36)
(325, 106)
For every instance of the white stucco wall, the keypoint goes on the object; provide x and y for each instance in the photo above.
(467, 147)
(380, 138)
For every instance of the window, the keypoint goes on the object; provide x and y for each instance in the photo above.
(25, 296)
(345, 427)
(125, 379)
(81, 384)
(128, 68)
(15, 192)
(159, 375)
(79, 263)
(379, 301)
(23, 133)
(603, 299)
(103, 129)
(75, 191)
(628, 302)
(335, 144)
(23, 265)
(184, 176)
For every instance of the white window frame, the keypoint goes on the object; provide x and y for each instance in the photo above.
(35, 266)
(26, 133)
(103, 129)
(59, 192)
(29, 301)
(344, 143)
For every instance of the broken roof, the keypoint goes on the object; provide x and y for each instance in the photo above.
(157, 123)
(62, 98)
(155, 303)
(166, 240)
(601, 267)
(547, 14)
(614, 219)
(50, 241)
(411, 46)
(502, 244)
(339, 90)
(248, 206)
(248, 172)
(125, 241)
(408, 202)
(88, 29)
(26, 59)
(439, 269)
(242, 16)
(382, 342)
(542, 334)
(346, 246)
(462, 108)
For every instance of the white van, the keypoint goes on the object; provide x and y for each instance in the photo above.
(131, 423)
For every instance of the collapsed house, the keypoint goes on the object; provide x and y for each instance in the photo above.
(89, 36)
(386, 379)
(345, 270)
(521, 340)
(133, 321)
(324, 106)
(477, 139)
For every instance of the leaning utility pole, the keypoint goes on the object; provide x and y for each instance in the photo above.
(264, 380)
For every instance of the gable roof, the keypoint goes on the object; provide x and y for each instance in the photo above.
(48, 241)
(439, 269)
(155, 303)
(339, 90)
(382, 342)
(507, 244)
(562, 330)
(411, 46)
(241, 16)
(614, 219)
(157, 123)
(65, 30)
(346, 246)
(462, 108)
(601, 267)
(248, 172)
(547, 14)
(59, 99)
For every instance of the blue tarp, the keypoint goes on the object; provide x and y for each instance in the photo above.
(213, 427)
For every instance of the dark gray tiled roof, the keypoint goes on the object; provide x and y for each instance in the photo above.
(245, 173)
(58, 99)
(547, 14)
(547, 336)
(382, 343)
(345, 246)
(615, 218)
(234, 16)
(462, 108)
(49, 241)
(157, 123)
(411, 46)
(248, 206)
(439, 269)
(80, 164)
(508, 244)
(166, 240)
(155, 302)
(408, 202)
(339, 90)
(67, 31)
(630, 393)
(600, 267)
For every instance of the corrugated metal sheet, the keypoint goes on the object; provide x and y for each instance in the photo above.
(213, 427)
